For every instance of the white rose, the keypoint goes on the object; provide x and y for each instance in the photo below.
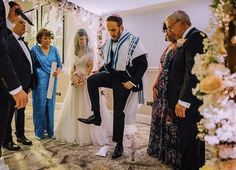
(212, 140)
(180, 42)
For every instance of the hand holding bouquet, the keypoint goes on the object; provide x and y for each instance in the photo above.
(78, 78)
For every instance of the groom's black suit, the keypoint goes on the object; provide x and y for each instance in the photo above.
(23, 70)
(180, 85)
(110, 78)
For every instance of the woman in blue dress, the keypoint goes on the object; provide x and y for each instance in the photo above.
(43, 108)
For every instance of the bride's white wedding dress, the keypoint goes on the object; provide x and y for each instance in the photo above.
(77, 104)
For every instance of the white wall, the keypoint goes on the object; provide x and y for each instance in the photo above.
(147, 23)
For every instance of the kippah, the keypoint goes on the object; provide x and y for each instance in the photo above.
(116, 15)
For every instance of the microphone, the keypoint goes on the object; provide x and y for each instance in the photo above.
(20, 12)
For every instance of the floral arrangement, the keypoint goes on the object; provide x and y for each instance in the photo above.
(78, 78)
(217, 89)
(100, 40)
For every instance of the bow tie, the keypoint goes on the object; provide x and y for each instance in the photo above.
(21, 38)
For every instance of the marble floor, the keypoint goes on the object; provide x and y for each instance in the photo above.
(53, 155)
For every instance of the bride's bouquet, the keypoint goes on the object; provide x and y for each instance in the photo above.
(78, 78)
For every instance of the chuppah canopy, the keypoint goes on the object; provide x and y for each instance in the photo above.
(103, 7)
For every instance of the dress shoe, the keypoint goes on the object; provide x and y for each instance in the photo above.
(91, 120)
(24, 140)
(117, 152)
(11, 146)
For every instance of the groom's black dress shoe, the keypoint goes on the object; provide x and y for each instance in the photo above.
(91, 120)
(117, 152)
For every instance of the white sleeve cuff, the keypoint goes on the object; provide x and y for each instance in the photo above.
(132, 84)
(185, 104)
(15, 91)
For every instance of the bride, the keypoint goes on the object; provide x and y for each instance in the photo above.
(76, 103)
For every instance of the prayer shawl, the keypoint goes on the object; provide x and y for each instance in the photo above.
(127, 48)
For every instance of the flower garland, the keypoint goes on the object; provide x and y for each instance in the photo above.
(217, 89)
(100, 41)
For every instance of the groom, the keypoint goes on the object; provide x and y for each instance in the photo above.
(125, 63)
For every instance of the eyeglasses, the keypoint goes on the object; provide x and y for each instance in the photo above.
(171, 26)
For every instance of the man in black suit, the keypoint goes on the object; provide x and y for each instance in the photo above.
(180, 84)
(125, 64)
(23, 65)
(9, 82)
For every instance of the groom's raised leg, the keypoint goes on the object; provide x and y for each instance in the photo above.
(95, 81)
(101, 79)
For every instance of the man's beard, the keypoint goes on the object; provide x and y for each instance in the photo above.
(116, 39)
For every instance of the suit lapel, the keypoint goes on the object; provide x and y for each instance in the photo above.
(14, 40)
(179, 51)
(175, 54)
(17, 45)
(32, 59)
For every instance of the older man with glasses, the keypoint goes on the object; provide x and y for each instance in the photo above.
(180, 84)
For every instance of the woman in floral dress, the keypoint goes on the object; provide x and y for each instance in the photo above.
(164, 132)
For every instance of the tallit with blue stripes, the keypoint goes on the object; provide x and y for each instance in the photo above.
(128, 47)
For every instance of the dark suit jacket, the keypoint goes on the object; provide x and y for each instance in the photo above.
(180, 79)
(8, 78)
(20, 62)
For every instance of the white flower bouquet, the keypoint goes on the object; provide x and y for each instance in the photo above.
(78, 78)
